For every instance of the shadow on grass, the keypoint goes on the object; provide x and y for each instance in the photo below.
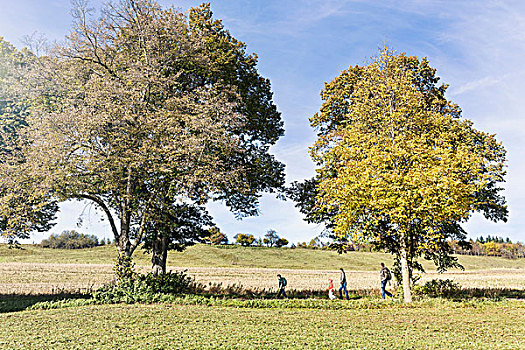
(13, 302)
(466, 294)
(492, 293)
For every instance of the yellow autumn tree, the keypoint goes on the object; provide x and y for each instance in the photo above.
(396, 162)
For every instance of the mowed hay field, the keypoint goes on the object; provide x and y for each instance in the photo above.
(35, 270)
(366, 323)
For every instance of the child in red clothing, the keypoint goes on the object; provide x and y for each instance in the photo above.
(330, 289)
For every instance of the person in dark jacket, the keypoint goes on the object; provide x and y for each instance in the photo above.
(385, 276)
(342, 282)
(282, 285)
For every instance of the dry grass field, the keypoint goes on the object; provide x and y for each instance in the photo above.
(27, 278)
(35, 270)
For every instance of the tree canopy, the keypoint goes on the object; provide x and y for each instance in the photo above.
(145, 109)
(25, 206)
(70, 240)
(270, 238)
(397, 164)
(244, 239)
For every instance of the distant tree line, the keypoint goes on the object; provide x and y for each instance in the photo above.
(493, 239)
(490, 246)
(315, 243)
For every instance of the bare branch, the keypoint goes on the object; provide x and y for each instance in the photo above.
(98, 201)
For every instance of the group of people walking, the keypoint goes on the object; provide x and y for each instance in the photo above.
(384, 274)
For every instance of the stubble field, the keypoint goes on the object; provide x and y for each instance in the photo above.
(35, 270)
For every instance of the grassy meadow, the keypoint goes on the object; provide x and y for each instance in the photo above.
(158, 326)
(31, 275)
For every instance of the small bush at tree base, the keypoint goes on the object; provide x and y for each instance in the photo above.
(439, 288)
(170, 283)
(144, 288)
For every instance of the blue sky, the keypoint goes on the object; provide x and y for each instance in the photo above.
(477, 46)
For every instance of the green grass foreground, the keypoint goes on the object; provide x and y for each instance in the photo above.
(434, 325)
(202, 255)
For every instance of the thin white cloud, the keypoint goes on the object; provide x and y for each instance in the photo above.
(484, 68)
(474, 85)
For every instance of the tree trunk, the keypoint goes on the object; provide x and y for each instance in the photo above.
(124, 268)
(159, 255)
(405, 273)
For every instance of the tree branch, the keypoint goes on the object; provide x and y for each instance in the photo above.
(142, 225)
(104, 207)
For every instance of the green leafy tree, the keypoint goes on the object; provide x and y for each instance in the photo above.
(398, 166)
(145, 107)
(174, 228)
(216, 237)
(314, 243)
(304, 194)
(70, 240)
(227, 64)
(25, 205)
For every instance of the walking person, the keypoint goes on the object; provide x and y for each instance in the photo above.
(282, 285)
(342, 282)
(385, 276)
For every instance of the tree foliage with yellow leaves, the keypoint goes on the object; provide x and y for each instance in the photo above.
(397, 164)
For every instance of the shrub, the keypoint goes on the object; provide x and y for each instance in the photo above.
(70, 240)
(439, 288)
(144, 288)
